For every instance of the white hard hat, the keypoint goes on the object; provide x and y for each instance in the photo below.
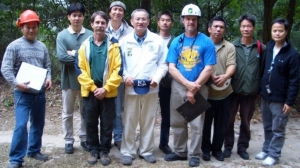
(192, 10)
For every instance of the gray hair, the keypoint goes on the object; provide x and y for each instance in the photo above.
(139, 10)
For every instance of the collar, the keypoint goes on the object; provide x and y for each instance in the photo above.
(111, 29)
(138, 39)
(92, 39)
(82, 31)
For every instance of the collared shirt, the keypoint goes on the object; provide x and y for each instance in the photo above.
(98, 57)
(140, 40)
(247, 50)
(116, 33)
(82, 31)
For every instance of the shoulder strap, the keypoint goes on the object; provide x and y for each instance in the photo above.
(259, 50)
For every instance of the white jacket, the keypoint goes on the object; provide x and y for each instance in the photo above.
(147, 61)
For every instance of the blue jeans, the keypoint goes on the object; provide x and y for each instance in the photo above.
(118, 126)
(27, 107)
(274, 122)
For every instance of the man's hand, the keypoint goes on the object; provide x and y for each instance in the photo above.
(219, 80)
(192, 86)
(153, 84)
(286, 109)
(48, 84)
(100, 93)
(190, 97)
(129, 81)
(70, 52)
(23, 86)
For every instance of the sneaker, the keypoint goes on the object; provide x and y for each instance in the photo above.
(104, 158)
(269, 161)
(69, 148)
(261, 156)
(173, 157)
(39, 156)
(126, 160)
(149, 158)
(84, 145)
(194, 161)
(93, 158)
(14, 165)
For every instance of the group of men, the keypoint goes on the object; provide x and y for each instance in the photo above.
(118, 72)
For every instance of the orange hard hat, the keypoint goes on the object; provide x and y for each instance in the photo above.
(27, 16)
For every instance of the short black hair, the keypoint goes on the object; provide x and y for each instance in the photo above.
(217, 18)
(168, 13)
(281, 21)
(76, 6)
(248, 17)
(101, 14)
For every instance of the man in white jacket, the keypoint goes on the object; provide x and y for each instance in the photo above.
(144, 65)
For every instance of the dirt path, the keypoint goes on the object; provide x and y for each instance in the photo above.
(53, 145)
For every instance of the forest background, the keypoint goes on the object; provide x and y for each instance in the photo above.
(53, 14)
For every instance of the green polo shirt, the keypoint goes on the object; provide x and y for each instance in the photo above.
(98, 57)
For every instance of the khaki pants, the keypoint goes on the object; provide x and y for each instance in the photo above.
(68, 101)
(180, 126)
(139, 109)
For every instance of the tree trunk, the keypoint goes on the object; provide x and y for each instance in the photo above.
(290, 15)
(268, 11)
(146, 4)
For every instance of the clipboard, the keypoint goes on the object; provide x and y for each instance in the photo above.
(35, 75)
(190, 111)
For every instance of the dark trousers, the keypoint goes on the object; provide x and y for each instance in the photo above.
(94, 108)
(219, 113)
(164, 101)
(247, 107)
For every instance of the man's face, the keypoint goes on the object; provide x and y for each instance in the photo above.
(99, 25)
(30, 30)
(140, 21)
(246, 28)
(76, 18)
(165, 23)
(116, 13)
(278, 33)
(190, 23)
(217, 30)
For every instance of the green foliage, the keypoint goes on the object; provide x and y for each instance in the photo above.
(8, 101)
(53, 14)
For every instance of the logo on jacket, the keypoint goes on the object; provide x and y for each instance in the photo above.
(189, 58)
(151, 48)
(129, 52)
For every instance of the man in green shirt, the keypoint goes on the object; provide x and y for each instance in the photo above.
(68, 42)
(99, 74)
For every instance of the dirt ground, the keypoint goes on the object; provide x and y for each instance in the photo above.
(53, 144)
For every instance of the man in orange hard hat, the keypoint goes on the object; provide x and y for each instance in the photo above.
(29, 104)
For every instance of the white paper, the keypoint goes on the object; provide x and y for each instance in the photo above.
(33, 74)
